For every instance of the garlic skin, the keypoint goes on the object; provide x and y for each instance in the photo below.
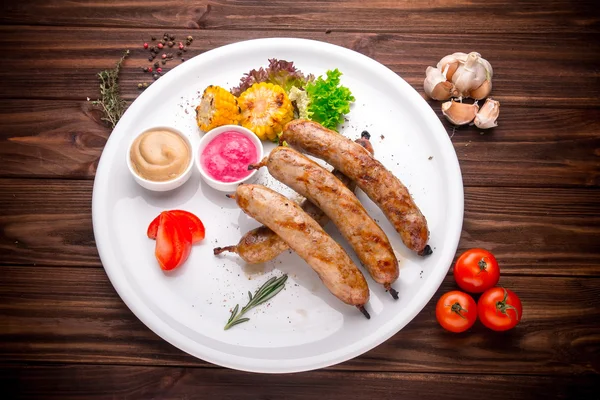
(482, 91)
(450, 63)
(436, 86)
(459, 113)
(488, 114)
(470, 73)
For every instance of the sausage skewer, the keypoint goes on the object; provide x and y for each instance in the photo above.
(340, 204)
(306, 237)
(369, 174)
(261, 244)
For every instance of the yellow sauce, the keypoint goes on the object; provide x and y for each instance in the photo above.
(160, 155)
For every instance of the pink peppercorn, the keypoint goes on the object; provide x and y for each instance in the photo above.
(145, 45)
(159, 70)
(164, 56)
(149, 69)
(180, 46)
(160, 46)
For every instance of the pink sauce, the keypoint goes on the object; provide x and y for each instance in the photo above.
(227, 156)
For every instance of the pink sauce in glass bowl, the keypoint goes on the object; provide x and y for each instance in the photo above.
(226, 157)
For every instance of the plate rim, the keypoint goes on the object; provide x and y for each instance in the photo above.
(175, 338)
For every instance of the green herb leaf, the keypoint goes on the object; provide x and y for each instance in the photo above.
(264, 293)
(329, 101)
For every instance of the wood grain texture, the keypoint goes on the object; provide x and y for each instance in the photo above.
(529, 70)
(82, 320)
(99, 382)
(532, 231)
(353, 15)
(50, 138)
(548, 147)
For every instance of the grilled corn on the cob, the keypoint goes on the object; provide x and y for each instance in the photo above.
(218, 107)
(266, 108)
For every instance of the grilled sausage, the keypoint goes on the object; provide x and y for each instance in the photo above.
(369, 174)
(262, 244)
(341, 206)
(304, 235)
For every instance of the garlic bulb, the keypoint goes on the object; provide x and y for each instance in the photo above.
(459, 113)
(436, 86)
(488, 114)
(470, 74)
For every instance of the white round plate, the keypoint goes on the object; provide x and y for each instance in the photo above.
(304, 327)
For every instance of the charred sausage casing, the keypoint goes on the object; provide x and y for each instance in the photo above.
(306, 237)
(342, 207)
(261, 244)
(369, 174)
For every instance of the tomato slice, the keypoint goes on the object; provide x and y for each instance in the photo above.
(153, 228)
(185, 218)
(173, 242)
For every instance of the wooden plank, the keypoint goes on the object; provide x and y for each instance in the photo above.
(548, 147)
(80, 319)
(47, 222)
(529, 70)
(50, 138)
(531, 231)
(447, 17)
(100, 382)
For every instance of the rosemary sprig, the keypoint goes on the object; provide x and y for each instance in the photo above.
(112, 104)
(266, 292)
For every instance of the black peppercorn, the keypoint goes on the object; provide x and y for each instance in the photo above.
(155, 76)
(153, 37)
(170, 44)
(172, 37)
(150, 58)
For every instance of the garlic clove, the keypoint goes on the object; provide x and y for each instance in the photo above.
(486, 117)
(450, 63)
(459, 113)
(436, 86)
(450, 69)
(482, 91)
(469, 75)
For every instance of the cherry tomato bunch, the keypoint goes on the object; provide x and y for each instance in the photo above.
(477, 271)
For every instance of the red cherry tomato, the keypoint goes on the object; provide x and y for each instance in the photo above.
(499, 309)
(456, 311)
(476, 271)
(173, 242)
(185, 218)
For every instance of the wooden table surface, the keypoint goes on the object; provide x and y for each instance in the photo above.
(532, 196)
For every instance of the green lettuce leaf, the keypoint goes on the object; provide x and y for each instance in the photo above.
(329, 101)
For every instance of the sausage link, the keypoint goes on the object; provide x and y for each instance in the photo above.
(261, 244)
(369, 174)
(340, 204)
(304, 235)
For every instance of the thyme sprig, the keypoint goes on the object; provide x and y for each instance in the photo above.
(112, 104)
(266, 292)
